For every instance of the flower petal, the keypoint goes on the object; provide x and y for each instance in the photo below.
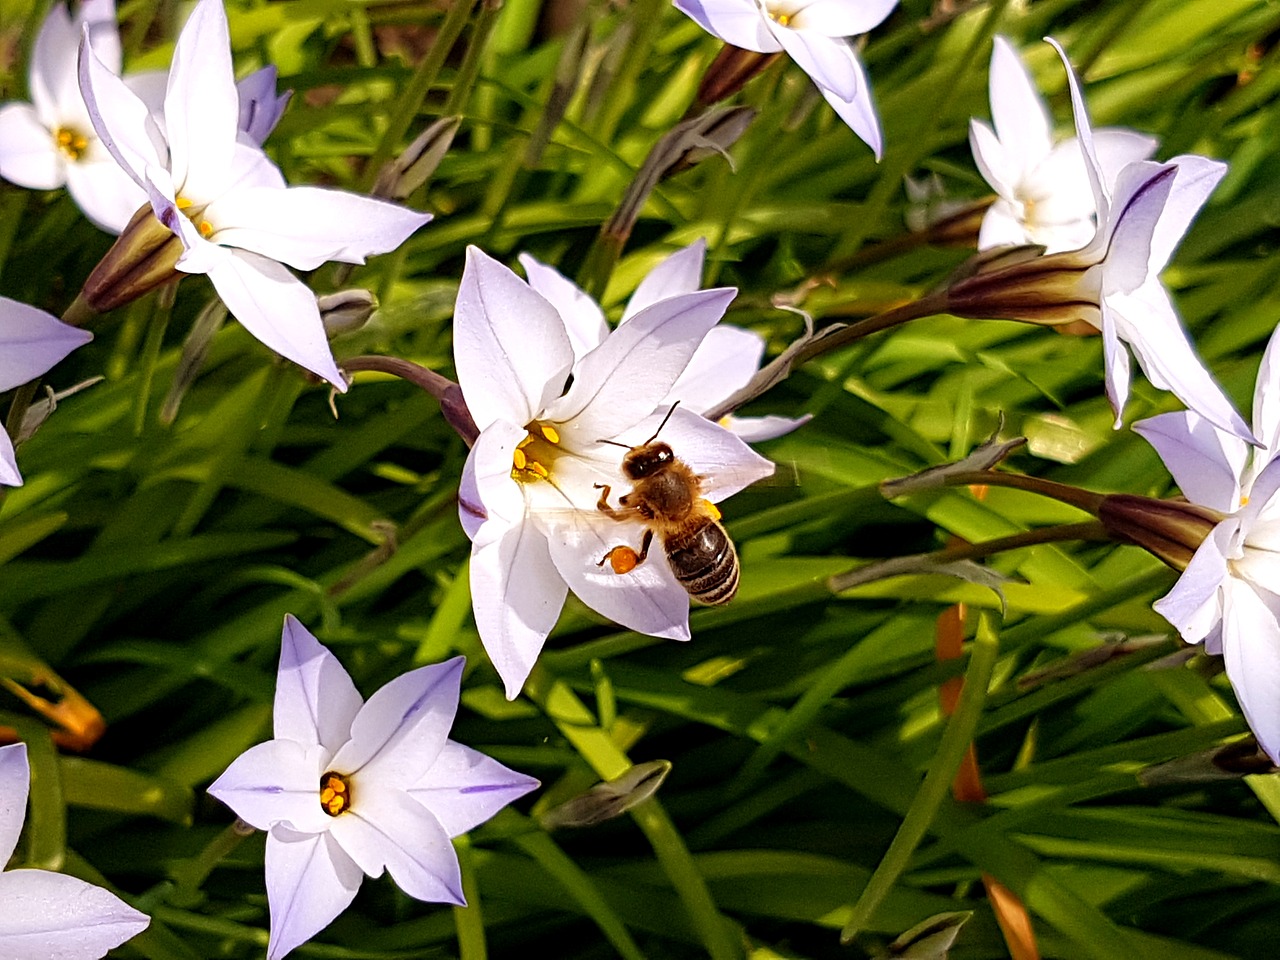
(403, 727)
(739, 22)
(679, 273)
(32, 341)
(1266, 400)
(723, 462)
(759, 429)
(316, 700)
(1139, 197)
(1251, 652)
(827, 60)
(306, 226)
(509, 344)
(487, 479)
(51, 916)
(123, 122)
(648, 599)
(583, 319)
(388, 828)
(1002, 227)
(201, 106)
(310, 880)
(1146, 320)
(840, 18)
(104, 193)
(1084, 131)
(9, 475)
(1196, 179)
(1117, 147)
(15, 782)
(724, 362)
(260, 106)
(623, 380)
(859, 111)
(28, 156)
(993, 161)
(516, 596)
(1117, 368)
(1193, 605)
(277, 308)
(464, 788)
(277, 782)
(1205, 462)
(1018, 113)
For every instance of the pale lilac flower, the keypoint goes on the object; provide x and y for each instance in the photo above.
(813, 33)
(47, 915)
(227, 202)
(350, 788)
(530, 485)
(1043, 190)
(31, 342)
(724, 362)
(1113, 282)
(1229, 594)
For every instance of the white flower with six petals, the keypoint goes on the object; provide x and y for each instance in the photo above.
(349, 788)
(1043, 191)
(531, 482)
(813, 33)
(238, 221)
(1229, 595)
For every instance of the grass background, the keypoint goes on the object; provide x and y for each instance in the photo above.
(149, 565)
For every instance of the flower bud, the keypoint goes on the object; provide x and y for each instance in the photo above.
(346, 311)
(414, 167)
(609, 799)
(144, 257)
(1020, 283)
(714, 135)
(1171, 530)
(730, 71)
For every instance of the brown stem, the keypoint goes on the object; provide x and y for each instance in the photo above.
(452, 404)
(1086, 500)
(824, 341)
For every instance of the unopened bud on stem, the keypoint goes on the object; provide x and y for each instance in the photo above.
(144, 256)
(1171, 530)
(346, 311)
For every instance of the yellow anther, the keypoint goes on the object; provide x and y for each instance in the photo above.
(539, 469)
(528, 439)
(1244, 501)
(335, 794)
(550, 432)
(205, 228)
(71, 144)
(183, 203)
(519, 459)
(712, 509)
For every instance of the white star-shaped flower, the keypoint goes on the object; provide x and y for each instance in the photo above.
(813, 33)
(349, 788)
(229, 205)
(1043, 191)
(532, 482)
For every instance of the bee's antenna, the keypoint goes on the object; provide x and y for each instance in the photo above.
(615, 443)
(662, 424)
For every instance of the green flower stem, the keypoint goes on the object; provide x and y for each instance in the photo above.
(599, 750)
(189, 875)
(161, 310)
(465, 81)
(410, 102)
(1085, 500)
(469, 920)
(924, 807)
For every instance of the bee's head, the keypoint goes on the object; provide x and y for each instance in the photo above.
(646, 460)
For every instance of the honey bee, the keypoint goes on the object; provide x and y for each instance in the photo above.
(666, 496)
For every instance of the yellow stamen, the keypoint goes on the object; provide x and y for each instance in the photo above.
(71, 144)
(539, 469)
(1244, 501)
(205, 228)
(183, 203)
(335, 794)
(519, 459)
(550, 432)
(782, 19)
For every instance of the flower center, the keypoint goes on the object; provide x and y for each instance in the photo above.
(196, 215)
(781, 13)
(71, 143)
(335, 793)
(535, 454)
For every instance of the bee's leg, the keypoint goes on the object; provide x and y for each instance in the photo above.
(603, 503)
(624, 559)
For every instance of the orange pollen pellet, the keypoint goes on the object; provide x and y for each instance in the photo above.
(623, 559)
(335, 794)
